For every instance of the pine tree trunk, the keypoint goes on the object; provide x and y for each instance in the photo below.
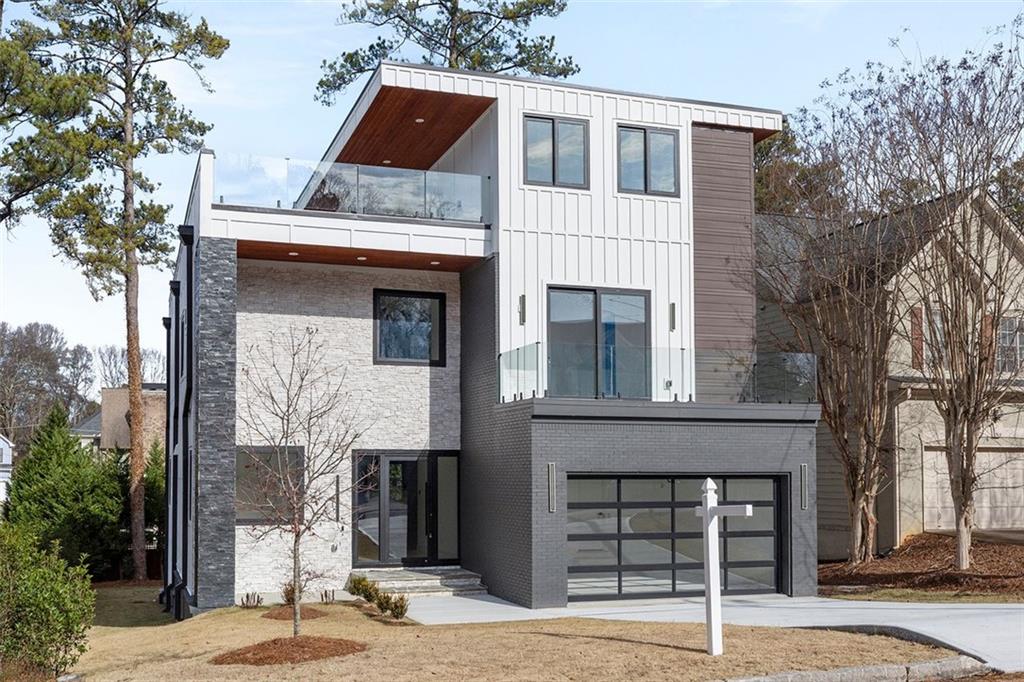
(296, 586)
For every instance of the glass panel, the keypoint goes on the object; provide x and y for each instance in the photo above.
(687, 521)
(571, 152)
(367, 509)
(691, 550)
(593, 490)
(392, 191)
(539, 150)
(646, 490)
(689, 489)
(749, 490)
(336, 189)
(572, 354)
(631, 159)
(646, 520)
(407, 515)
(662, 162)
(452, 196)
(635, 582)
(593, 584)
(763, 519)
(690, 580)
(647, 551)
(593, 553)
(759, 578)
(447, 508)
(751, 549)
(261, 481)
(408, 328)
(589, 521)
(625, 365)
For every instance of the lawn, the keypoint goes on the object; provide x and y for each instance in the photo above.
(133, 639)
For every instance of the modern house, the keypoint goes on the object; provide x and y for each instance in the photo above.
(542, 295)
(915, 496)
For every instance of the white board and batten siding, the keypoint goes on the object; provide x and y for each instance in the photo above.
(548, 236)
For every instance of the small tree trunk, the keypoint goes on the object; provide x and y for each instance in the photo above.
(296, 585)
(964, 529)
(856, 537)
(870, 529)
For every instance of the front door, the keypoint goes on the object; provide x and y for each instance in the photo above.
(406, 508)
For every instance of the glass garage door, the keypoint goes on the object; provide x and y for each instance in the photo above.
(639, 537)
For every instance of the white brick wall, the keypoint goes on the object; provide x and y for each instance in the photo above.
(404, 407)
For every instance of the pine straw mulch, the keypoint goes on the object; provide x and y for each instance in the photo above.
(926, 562)
(299, 649)
(284, 612)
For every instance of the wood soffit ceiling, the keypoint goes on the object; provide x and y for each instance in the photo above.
(338, 255)
(388, 129)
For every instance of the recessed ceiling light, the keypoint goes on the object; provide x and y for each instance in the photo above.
(435, 262)
(420, 120)
(360, 257)
(293, 253)
(386, 162)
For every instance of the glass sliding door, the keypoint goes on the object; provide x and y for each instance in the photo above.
(598, 344)
(406, 508)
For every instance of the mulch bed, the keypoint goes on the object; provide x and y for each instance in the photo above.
(289, 650)
(284, 612)
(927, 562)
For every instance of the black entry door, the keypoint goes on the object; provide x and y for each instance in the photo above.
(406, 509)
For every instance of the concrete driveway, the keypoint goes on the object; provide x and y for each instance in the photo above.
(993, 633)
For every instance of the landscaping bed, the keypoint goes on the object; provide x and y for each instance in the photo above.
(571, 648)
(925, 564)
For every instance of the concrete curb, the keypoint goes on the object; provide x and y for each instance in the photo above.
(953, 668)
(898, 633)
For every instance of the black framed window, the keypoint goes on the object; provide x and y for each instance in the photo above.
(555, 152)
(599, 343)
(408, 328)
(263, 475)
(648, 160)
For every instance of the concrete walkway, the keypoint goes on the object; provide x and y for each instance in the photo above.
(993, 633)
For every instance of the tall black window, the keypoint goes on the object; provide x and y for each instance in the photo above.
(648, 160)
(598, 343)
(555, 151)
(409, 327)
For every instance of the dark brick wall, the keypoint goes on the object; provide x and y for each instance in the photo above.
(216, 264)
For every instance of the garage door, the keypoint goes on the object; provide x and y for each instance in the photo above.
(999, 501)
(638, 536)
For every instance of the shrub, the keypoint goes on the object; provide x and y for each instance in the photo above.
(251, 600)
(371, 592)
(288, 593)
(382, 601)
(399, 606)
(357, 585)
(46, 606)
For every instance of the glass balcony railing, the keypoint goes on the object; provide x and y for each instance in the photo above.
(736, 376)
(349, 188)
(565, 370)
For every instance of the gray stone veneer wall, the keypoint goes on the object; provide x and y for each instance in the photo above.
(216, 264)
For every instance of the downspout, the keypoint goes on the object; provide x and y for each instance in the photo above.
(176, 578)
(187, 234)
(165, 594)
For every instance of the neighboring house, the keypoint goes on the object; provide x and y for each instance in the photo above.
(114, 430)
(915, 496)
(578, 263)
(89, 430)
(6, 468)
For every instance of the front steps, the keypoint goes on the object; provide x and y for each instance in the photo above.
(434, 581)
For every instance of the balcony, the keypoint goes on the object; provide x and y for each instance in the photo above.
(540, 370)
(351, 189)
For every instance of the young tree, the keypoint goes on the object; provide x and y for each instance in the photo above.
(103, 223)
(299, 424)
(483, 35)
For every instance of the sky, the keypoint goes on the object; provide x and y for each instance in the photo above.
(764, 54)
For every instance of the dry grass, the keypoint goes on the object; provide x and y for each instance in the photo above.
(553, 649)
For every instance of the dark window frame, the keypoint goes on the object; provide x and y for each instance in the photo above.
(598, 292)
(646, 130)
(442, 351)
(554, 120)
(247, 450)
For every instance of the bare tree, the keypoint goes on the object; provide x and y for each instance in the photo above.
(826, 276)
(298, 423)
(112, 365)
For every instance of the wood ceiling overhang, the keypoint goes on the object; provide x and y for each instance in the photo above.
(342, 255)
(388, 130)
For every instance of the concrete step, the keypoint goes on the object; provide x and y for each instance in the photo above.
(434, 581)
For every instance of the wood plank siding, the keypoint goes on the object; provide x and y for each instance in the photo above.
(723, 277)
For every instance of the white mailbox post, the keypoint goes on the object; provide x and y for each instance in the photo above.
(711, 511)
